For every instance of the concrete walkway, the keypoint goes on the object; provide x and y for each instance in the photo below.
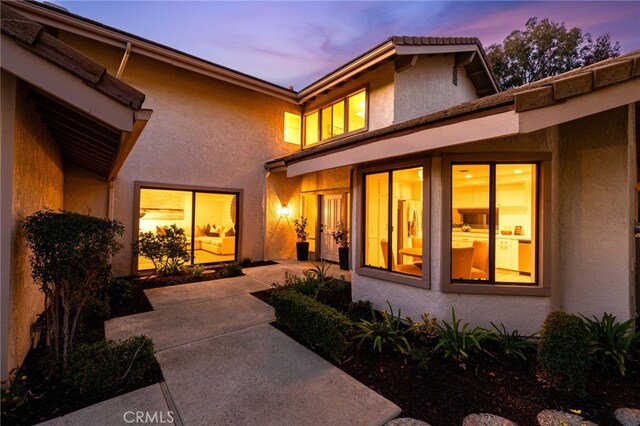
(224, 364)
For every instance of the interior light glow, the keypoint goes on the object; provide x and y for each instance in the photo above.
(517, 171)
(468, 176)
(285, 210)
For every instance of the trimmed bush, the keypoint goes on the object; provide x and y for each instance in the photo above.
(231, 270)
(563, 352)
(105, 366)
(315, 322)
(359, 310)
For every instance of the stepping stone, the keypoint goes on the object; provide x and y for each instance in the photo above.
(555, 418)
(486, 419)
(628, 416)
(406, 421)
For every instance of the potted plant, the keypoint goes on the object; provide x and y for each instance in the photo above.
(302, 246)
(341, 237)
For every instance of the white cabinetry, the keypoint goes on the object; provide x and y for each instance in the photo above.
(507, 254)
(459, 241)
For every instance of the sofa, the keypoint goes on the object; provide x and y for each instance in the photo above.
(217, 245)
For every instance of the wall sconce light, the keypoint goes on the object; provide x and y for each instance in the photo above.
(285, 210)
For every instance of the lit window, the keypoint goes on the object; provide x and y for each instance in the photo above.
(393, 218)
(356, 105)
(292, 123)
(311, 123)
(494, 223)
(346, 115)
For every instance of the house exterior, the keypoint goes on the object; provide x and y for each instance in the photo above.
(406, 143)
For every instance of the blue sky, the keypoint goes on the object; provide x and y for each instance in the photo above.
(295, 43)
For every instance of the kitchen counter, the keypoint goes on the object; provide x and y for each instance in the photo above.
(485, 234)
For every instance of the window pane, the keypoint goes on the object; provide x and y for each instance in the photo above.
(357, 111)
(215, 230)
(292, 124)
(326, 123)
(470, 222)
(161, 208)
(376, 207)
(516, 203)
(338, 119)
(311, 128)
(406, 208)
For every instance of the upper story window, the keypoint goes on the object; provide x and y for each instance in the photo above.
(292, 124)
(344, 116)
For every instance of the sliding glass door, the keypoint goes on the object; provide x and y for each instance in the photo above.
(209, 220)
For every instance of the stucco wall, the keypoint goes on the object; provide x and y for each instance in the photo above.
(473, 308)
(85, 193)
(428, 86)
(204, 133)
(595, 218)
(281, 236)
(38, 184)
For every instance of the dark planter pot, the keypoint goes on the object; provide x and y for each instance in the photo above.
(343, 253)
(302, 250)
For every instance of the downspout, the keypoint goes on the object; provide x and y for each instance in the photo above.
(265, 209)
(111, 200)
(123, 63)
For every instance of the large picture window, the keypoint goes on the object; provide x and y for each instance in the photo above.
(494, 223)
(209, 220)
(393, 205)
(346, 115)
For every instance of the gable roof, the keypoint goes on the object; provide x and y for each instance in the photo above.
(475, 61)
(540, 94)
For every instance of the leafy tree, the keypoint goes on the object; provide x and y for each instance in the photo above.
(167, 251)
(545, 48)
(71, 261)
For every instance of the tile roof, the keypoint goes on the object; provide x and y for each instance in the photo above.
(539, 94)
(32, 36)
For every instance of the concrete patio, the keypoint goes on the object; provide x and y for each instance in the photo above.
(224, 364)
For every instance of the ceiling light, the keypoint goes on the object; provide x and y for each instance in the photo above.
(517, 171)
(468, 176)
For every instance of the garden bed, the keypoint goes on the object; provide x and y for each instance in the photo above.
(446, 391)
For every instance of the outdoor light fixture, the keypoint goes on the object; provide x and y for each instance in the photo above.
(285, 211)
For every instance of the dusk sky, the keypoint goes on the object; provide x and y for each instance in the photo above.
(295, 43)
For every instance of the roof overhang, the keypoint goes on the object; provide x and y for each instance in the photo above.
(91, 129)
(457, 130)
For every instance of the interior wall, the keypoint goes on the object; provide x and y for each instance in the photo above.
(596, 216)
(38, 184)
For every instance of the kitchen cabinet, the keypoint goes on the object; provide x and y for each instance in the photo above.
(507, 254)
(459, 241)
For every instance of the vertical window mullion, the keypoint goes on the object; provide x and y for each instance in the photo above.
(390, 223)
(193, 226)
(492, 222)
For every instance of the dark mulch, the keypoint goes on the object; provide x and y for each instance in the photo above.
(259, 263)
(447, 391)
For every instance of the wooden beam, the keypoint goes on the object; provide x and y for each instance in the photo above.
(128, 140)
(17, 26)
(475, 73)
(465, 58)
(405, 62)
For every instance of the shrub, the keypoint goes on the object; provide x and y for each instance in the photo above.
(425, 336)
(197, 271)
(70, 259)
(359, 310)
(511, 344)
(563, 352)
(246, 262)
(301, 229)
(231, 270)
(387, 331)
(167, 251)
(102, 367)
(315, 322)
(457, 342)
(611, 342)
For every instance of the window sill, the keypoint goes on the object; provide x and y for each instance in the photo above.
(497, 289)
(394, 277)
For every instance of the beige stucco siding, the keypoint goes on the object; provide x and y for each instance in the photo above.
(203, 133)
(38, 184)
(594, 221)
(428, 86)
(85, 192)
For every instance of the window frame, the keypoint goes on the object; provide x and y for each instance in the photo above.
(330, 104)
(423, 282)
(543, 225)
(300, 118)
(139, 185)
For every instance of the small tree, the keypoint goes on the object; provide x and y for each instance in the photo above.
(167, 251)
(71, 262)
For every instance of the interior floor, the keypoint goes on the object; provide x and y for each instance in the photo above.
(505, 275)
(200, 257)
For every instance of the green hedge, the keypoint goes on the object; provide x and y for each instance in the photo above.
(563, 352)
(315, 322)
